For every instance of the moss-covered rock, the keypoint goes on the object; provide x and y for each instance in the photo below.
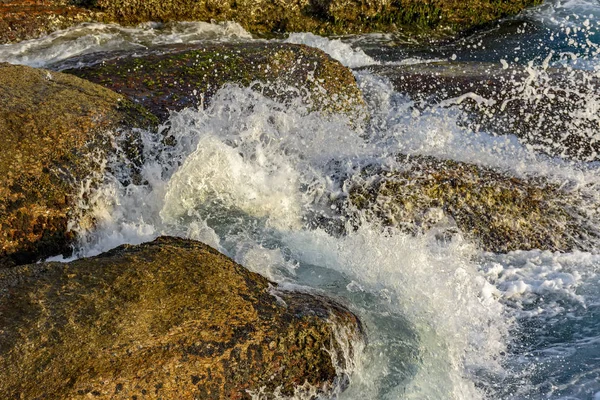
(175, 77)
(499, 212)
(21, 20)
(51, 135)
(321, 16)
(170, 319)
(425, 18)
(550, 110)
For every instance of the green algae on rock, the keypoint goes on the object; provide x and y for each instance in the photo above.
(179, 76)
(499, 212)
(170, 319)
(413, 17)
(26, 19)
(320, 16)
(51, 134)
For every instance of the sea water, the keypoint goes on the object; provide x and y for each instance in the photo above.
(251, 176)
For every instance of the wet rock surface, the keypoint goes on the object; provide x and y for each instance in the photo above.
(176, 77)
(497, 211)
(28, 19)
(170, 319)
(22, 19)
(52, 135)
(541, 106)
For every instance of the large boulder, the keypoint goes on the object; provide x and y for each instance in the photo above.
(170, 319)
(54, 138)
(439, 17)
(179, 76)
(552, 110)
(496, 210)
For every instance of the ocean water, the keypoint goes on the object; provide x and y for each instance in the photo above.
(253, 178)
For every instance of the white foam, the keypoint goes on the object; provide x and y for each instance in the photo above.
(572, 13)
(523, 277)
(460, 328)
(244, 175)
(343, 52)
(92, 37)
(248, 174)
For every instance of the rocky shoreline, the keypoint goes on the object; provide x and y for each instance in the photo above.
(26, 19)
(171, 319)
(174, 318)
(106, 325)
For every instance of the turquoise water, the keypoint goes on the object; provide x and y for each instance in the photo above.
(251, 177)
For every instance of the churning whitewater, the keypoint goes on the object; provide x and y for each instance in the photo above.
(264, 183)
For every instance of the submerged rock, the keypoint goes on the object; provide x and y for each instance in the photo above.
(175, 77)
(551, 110)
(499, 212)
(170, 319)
(411, 17)
(52, 137)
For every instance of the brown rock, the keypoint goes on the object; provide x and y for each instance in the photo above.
(436, 18)
(170, 319)
(497, 211)
(175, 77)
(51, 135)
(29, 19)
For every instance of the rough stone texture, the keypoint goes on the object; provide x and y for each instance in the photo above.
(170, 319)
(29, 19)
(432, 17)
(166, 78)
(499, 212)
(550, 110)
(321, 16)
(51, 127)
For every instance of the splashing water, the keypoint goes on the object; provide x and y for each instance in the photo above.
(94, 37)
(261, 181)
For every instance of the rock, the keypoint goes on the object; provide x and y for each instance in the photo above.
(320, 16)
(170, 319)
(27, 19)
(426, 19)
(175, 77)
(550, 110)
(499, 212)
(51, 135)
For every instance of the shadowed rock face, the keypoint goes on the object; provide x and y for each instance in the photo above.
(175, 77)
(550, 110)
(52, 135)
(170, 319)
(25, 18)
(499, 212)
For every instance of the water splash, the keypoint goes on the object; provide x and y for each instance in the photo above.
(343, 52)
(94, 37)
(256, 179)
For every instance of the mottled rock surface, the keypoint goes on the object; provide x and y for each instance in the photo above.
(320, 16)
(29, 19)
(175, 77)
(551, 110)
(23, 18)
(170, 319)
(498, 211)
(51, 135)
